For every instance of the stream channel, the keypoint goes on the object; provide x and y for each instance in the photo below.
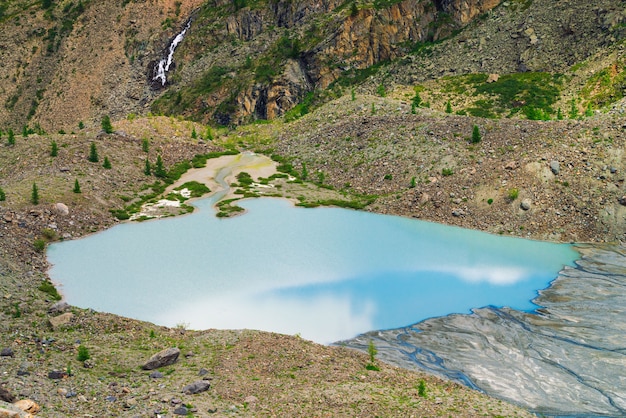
(331, 274)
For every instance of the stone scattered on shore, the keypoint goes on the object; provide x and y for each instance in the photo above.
(197, 387)
(162, 359)
(60, 320)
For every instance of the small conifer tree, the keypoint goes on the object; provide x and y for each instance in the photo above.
(76, 186)
(81, 125)
(146, 170)
(448, 107)
(476, 137)
(305, 173)
(54, 149)
(209, 134)
(159, 171)
(11, 137)
(25, 131)
(106, 124)
(93, 153)
(194, 135)
(145, 145)
(34, 197)
(106, 164)
(3, 196)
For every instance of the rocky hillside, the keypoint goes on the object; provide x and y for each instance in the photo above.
(68, 62)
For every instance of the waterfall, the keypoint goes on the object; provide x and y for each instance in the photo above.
(163, 66)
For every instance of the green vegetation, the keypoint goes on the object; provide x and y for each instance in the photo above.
(421, 388)
(106, 164)
(605, 87)
(446, 172)
(146, 168)
(11, 137)
(54, 149)
(106, 124)
(47, 287)
(197, 189)
(93, 153)
(513, 194)
(83, 353)
(145, 145)
(372, 351)
(476, 136)
(529, 94)
(3, 195)
(34, 196)
(39, 244)
(226, 209)
(159, 170)
(76, 186)
(245, 180)
(81, 125)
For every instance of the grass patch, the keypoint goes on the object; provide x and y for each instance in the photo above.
(197, 189)
(48, 288)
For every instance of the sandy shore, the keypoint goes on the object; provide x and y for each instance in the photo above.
(256, 165)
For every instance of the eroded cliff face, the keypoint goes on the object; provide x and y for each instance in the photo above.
(280, 52)
(463, 11)
(74, 63)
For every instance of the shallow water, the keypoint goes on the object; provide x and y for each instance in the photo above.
(569, 359)
(327, 274)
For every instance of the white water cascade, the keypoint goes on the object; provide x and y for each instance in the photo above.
(163, 65)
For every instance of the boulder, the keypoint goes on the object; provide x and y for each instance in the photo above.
(61, 209)
(555, 167)
(493, 78)
(5, 395)
(162, 359)
(7, 352)
(197, 387)
(28, 405)
(60, 320)
(525, 205)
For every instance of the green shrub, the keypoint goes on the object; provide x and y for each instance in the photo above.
(159, 170)
(476, 136)
(513, 194)
(372, 351)
(146, 168)
(54, 149)
(47, 287)
(489, 201)
(11, 137)
(3, 195)
(106, 124)
(39, 244)
(34, 196)
(76, 186)
(447, 172)
(83, 353)
(93, 153)
(421, 388)
(448, 107)
(107, 163)
(145, 145)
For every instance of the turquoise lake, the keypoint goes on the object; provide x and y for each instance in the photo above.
(326, 274)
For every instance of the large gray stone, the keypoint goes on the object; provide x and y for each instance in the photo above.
(555, 167)
(162, 359)
(197, 387)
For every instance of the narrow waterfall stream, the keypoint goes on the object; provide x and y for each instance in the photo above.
(163, 66)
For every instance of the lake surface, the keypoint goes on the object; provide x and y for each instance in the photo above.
(326, 274)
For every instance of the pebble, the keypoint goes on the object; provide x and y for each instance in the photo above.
(181, 410)
(7, 352)
(525, 204)
(555, 167)
(156, 375)
(197, 387)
